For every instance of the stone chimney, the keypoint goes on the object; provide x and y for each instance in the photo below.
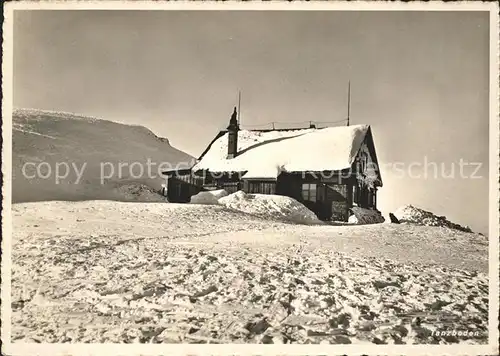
(232, 136)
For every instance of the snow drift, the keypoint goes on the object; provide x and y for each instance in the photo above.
(110, 272)
(138, 193)
(271, 206)
(44, 139)
(210, 197)
(365, 216)
(413, 215)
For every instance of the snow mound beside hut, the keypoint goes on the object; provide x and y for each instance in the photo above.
(136, 192)
(365, 216)
(273, 206)
(413, 215)
(210, 197)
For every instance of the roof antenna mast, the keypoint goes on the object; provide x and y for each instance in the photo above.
(348, 102)
(239, 108)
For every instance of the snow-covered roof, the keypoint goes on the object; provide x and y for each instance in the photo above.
(266, 154)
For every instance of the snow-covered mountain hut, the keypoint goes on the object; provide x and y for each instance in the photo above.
(328, 169)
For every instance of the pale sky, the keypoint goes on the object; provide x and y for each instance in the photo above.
(420, 79)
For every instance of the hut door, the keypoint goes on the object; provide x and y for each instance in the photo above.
(324, 207)
(364, 200)
(337, 201)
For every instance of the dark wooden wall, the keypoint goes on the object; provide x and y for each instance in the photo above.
(181, 188)
(334, 195)
(289, 185)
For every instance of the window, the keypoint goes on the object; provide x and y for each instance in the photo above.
(261, 187)
(231, 187)
(183, 177)
(198, 181)
(190, 179)
(309, 191)
(374, 198)
(364, 160)
(208, 178)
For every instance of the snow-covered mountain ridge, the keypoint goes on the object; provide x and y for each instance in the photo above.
(44, 141)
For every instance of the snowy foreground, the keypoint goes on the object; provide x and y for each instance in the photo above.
(153, 272)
